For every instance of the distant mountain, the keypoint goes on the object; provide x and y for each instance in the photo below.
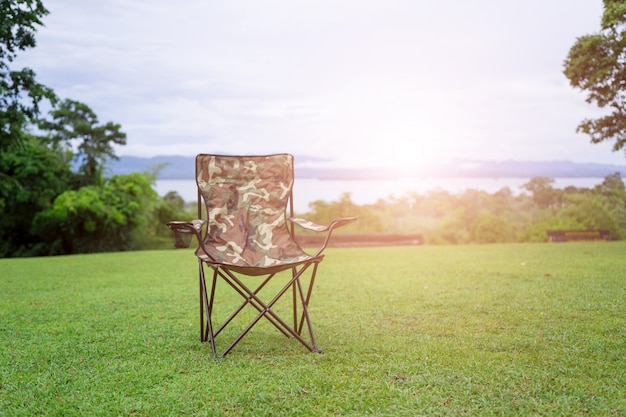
(526, 169)
(172, 167)
(182, 167)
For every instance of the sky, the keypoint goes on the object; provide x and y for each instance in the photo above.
(360, 82)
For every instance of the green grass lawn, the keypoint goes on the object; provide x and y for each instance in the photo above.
(501, 330)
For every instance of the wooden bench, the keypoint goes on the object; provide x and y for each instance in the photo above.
(361, 239)
(577, 235)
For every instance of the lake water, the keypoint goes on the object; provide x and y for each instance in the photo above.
(307, 190)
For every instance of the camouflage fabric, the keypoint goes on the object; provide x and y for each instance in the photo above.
(246, 198)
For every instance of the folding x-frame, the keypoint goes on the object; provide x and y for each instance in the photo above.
(301, 297)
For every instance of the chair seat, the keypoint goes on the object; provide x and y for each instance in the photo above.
(251, 262)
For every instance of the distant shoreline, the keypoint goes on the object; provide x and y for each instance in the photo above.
(181, 168)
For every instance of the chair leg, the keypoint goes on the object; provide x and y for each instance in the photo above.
(265, 309)
(305, 310)
(202, 293)
(294, 302)
(307, 299)
(206, 309)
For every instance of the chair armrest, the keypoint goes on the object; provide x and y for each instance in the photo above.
(181, 228)
(316, 227)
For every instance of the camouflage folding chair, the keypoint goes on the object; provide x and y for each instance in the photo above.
(245, 236)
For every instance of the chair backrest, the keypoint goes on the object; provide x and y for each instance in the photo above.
(246, 199)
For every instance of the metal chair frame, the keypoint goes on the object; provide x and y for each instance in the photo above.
(207, 296)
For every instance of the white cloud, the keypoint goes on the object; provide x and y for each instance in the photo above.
(399, 80)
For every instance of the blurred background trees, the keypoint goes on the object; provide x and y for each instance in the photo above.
(479, 217)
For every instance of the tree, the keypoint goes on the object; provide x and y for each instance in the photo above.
(324, 213)
(544, 195)
(597, 64)
(35, 176)
(489, 228)
(613, 186)
(20, 93)
(157, 235)
(596, 211)
(98, 218)
(75, 125)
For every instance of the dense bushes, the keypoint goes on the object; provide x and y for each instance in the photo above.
(31, 178)
(96, 218)
(47, 212)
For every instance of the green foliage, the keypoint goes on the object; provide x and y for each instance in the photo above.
(44, 213)
(544, 195)
(475, 330)
(596, 212)
(544, 220)
(451, 230)
(156, 234)
(75, 125)
(17, 31)
(97, 218)
(20, 93)
(489, 228)
(604, 207)
(613, 187)
(597, 64)
(614, 14)
(324, 213)
(31, 177)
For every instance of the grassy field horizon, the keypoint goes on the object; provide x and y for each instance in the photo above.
(490, 330)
